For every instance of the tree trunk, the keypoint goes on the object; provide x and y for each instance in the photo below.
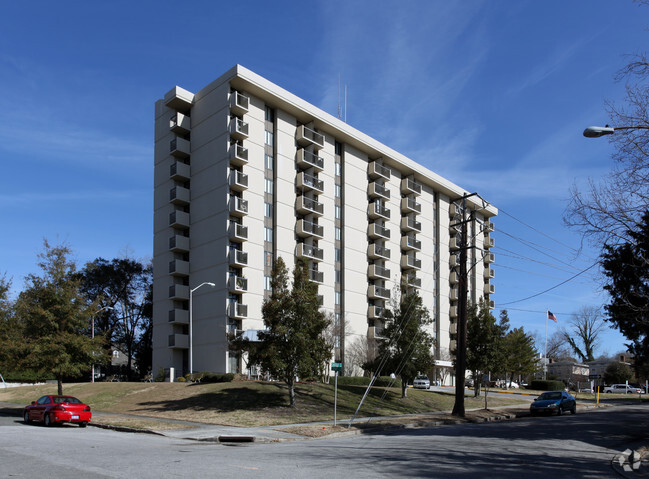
(291, 391)
(404, 388)
(59, 383)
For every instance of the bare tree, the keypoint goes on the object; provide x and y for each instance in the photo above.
(607, 210)
(586, 326)
(361, 351)
(558, 347)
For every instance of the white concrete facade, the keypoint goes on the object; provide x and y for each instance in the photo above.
(246, 172)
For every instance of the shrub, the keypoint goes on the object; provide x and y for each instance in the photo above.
(180, 379)
(26, 377)
(381, 381)
(546, 385)
(216, 377)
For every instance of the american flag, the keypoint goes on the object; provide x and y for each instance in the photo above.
(552, 316)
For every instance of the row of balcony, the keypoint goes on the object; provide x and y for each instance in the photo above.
(454, 243)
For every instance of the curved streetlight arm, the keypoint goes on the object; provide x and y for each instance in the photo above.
(597, 131)
(191, 335)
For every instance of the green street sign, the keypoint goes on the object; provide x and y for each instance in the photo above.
(337, 366)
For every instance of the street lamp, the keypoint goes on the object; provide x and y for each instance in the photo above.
(597, 131)
(105, 308)
(191, 335)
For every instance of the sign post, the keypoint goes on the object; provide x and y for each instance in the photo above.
(336, 367)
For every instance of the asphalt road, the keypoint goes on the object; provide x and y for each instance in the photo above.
(582, 445)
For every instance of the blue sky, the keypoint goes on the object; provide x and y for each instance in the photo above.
(492, 94)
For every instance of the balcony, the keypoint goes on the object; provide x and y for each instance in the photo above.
(237, 284)
(179, 171)
(454, 295)
(374, 271)
(413, 281)
(409, 261)
(309, 182)
(377, 209)
(178, 341)
(309, 252)
(375, 189)
(410, 242)
(409, 223)
(378, 292)
(489, 242)
(489, 288)
(410, 186)
(454, 210)
(374, 312)
(488, 228)
(179, 195)
(454, 278)
(316, 276)
(238, 155)
(410, 205)
(489, 258)
(179, 244)
(452, 345)
(375, 230)
(238, 181)
(238, 232)
(489, 273)
(377, 170)
(307, 137)
(454, 243)
(179, 292)
(377, 251)
(179, 99)
(179, 220)
(453, 260)
(238, 258)
(238, 206)
(238, 128)
(179, 316)
(179, 147)
(238, 103)
(452, 328)
(306, 159)
(307, 228)
(180, 124)
(305, 206)
(178, 267)
(453, 312)
(491, 304)
(237, 311)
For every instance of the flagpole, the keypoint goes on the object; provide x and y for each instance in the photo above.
(545, 352)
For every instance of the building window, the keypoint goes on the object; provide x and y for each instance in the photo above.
(337, 276)
(339, 169)
(268, 234)
(268, 138)
(339, 148)
(267, 286)
(268, 186)
(338, 212)
(339, 191)
(268, 258)
(270, 114)
(268, 162)
(338, 254)
(268, 210)
(337, 297)
(338, 233)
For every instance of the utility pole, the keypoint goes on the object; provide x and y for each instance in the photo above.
(460, 352)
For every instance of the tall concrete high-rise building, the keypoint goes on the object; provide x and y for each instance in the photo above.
(246, 172)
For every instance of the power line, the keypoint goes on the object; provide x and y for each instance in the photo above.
(553, 287)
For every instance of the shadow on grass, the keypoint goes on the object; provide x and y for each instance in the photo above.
(226, 400)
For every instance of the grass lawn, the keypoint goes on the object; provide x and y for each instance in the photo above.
(245, 403)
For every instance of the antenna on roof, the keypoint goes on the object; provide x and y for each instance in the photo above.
(342, 111)
(339, 96)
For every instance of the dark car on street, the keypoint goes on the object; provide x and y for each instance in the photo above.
(552, 402)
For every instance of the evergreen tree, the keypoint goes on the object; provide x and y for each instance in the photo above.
(405, 345)
(484, 343)
(54, 318)
(626, 268)
(617, 373)
(293, 344)
(521, 355)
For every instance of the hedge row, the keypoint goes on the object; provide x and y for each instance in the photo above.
(546, 385)
(26, 377)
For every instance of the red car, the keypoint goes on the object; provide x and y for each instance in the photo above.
(52, 409)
